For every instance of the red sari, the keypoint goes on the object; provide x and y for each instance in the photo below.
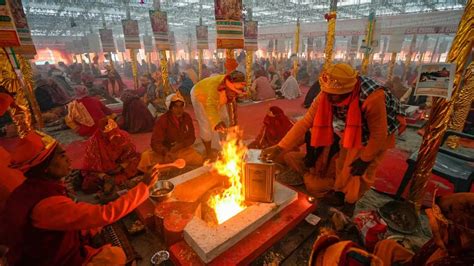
(117, 158)
(274, 129)
(97, 111)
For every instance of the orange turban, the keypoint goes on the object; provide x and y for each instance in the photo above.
(338, 79)
(32, 150)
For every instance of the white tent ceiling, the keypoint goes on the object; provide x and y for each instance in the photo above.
(53, 17)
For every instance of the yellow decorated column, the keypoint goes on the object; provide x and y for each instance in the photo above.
(230, 62)
(248, 69)
(368, 44)
(331, 34)
(297, 48)
(27, 72)
(164, 72)
(133, 57)
(442, 109)
(461, 107)
(20, 110)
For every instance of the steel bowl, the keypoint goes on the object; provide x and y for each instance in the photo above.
(162, 190)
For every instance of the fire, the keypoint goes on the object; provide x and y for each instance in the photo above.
(231, 201)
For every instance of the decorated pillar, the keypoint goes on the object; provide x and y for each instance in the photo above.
(461, 107)
(331, 34)
(159, 25)
(133, 56)
(229, 29)
(132, 43)
(230, 35)
(107, 40)
(164, 72)
(368, 43)
(442, 109)
(202, 43)
(297, 48)
(20, 110)
(27, 73)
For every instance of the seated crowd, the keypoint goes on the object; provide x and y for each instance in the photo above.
(44, 226)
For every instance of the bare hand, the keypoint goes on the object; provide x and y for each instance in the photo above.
(150, 177)
(270, 153)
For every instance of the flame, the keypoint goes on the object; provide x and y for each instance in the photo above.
(231, 201)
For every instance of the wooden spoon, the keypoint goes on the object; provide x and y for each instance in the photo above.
(179, 163)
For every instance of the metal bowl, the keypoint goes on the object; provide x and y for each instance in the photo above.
(162, 190)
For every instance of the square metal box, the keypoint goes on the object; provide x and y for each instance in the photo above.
(258, 177)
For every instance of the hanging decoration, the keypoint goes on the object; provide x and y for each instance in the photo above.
(27, 73)
(442, 108)
(20, 110)
(131, 34)
(159, 25)
(8, 34)
(107, 40)
(251, 35)
(202, 36)
(228, 15)
(132, 42)
(27, 48)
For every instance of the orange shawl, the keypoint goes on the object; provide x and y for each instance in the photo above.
(322, 131)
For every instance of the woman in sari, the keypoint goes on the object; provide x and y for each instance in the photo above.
(275, 126)
(110, 158)
(136, 116)
(85, 112)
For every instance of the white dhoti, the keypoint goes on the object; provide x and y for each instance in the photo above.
(206, 132)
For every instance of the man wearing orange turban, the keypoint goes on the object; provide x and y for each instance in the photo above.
(371, 115)
(41, 225)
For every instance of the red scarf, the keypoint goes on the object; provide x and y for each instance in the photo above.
(277, 126)
(322, 131)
